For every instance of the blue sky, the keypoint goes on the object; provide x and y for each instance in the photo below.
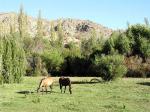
(110, 13)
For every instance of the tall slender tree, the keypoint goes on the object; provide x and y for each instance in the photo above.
(52, 34)
(1, 60)
(22, 21)
(39, 26)
(60, 35)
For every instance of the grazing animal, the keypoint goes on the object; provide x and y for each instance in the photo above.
(65, 82)
(45, 83)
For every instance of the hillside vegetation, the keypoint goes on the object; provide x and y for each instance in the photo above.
(121, 54)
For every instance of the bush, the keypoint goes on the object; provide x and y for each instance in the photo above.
(53, 60)
(117, 43)
(110, 67)
(136, 68)
(139, 35)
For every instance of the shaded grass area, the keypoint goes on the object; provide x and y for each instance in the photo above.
(126, 95)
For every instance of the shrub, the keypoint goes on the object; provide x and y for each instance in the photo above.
(110, 67)
(123, 44)
(53, 60)
(136, 68)
(139, 35)
(117, 43)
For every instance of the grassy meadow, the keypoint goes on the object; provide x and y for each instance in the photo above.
(125, 95)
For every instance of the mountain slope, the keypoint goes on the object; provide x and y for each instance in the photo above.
(74, 29)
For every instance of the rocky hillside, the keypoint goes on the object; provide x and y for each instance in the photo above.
(74, 29)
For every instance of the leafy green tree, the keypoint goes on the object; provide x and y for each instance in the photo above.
(53, 60)
(19, 61)
(92, 44)
(37, 69)
(71, 50)
(140, 36)
(122, 44)
(117, 43)
(145, 47)
(110, 67)
(13, 58)
(109, 46)
(7, 61)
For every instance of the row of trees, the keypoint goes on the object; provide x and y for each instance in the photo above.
(21, 54)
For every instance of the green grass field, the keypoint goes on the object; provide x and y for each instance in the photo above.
(126, 95)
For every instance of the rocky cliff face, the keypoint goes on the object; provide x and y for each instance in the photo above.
(74, 29)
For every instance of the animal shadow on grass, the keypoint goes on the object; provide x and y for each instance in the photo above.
(32, 92)
(144, 83)
(92, 81)
(25, 92)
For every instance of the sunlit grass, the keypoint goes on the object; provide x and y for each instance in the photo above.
(126, 95)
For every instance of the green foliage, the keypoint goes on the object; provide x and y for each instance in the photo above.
(111, 67)
(71, 50)
(7, 60)
(28, 45)
(122, 44)
(57, 38)
(137, 31)
(39, 27)
(37, 69)
(1, 60)
(53, 60)
(53, 35)
(109, 46)
(117, 43)
(126, 95)
(60, 36)
(144, 47)
(92, 44)
(22, 22)
(140, 37)
(13, 58)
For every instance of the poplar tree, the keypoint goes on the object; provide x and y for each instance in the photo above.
(18, 59)
(39, 26)
(1, 60)
(37, 69)
(7, 61)
(22, 21)
(52, 34)
(60, 34)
